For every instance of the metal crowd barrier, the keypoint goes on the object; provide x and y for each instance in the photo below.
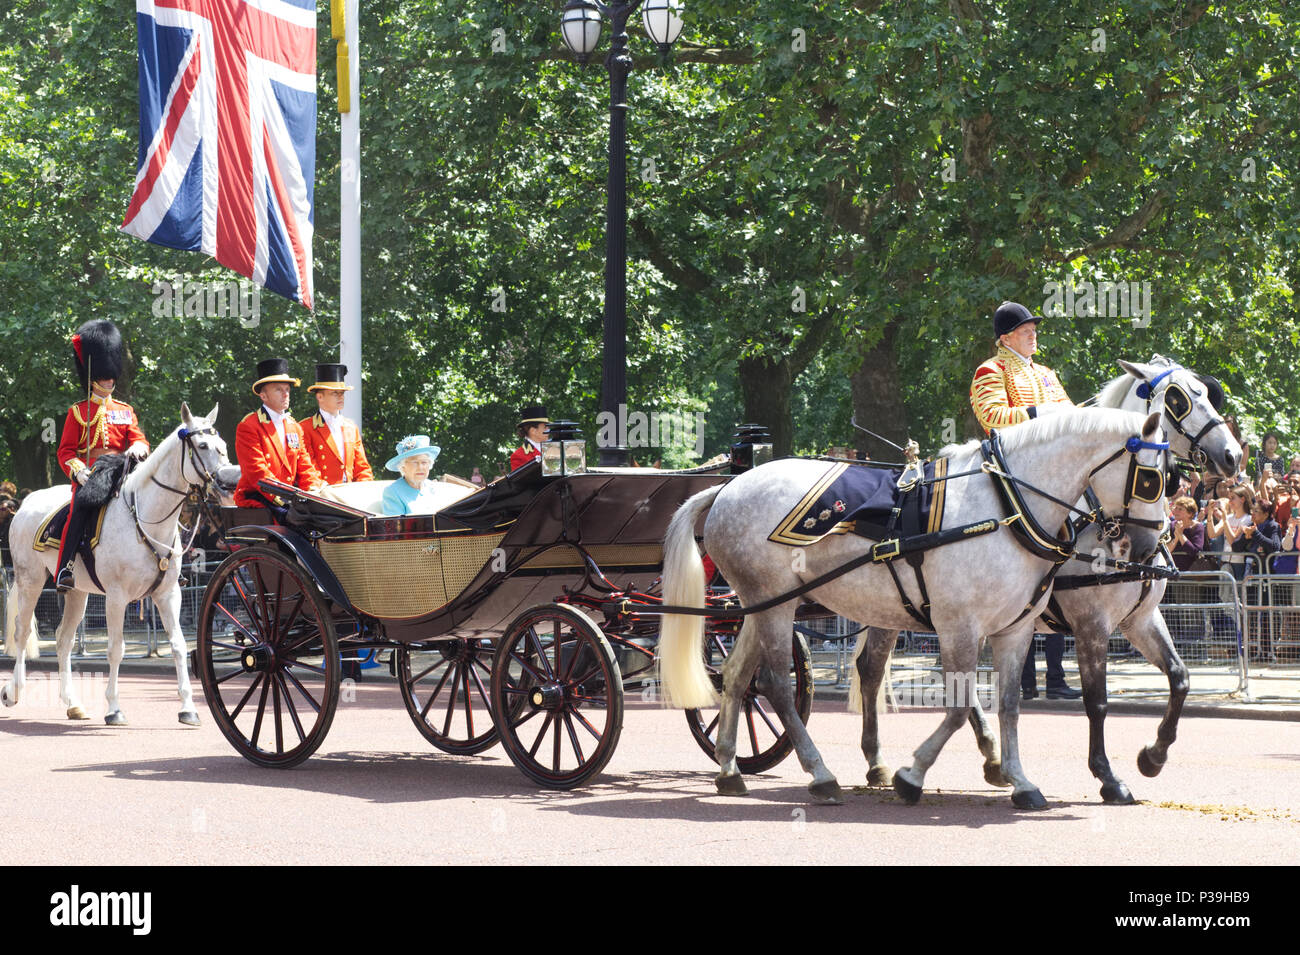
(142, 630)
(1271, 632)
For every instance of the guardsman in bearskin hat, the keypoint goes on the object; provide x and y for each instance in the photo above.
(532, 432)
(1010, 388)
(268, 442)
(333, 441)
(99, 425)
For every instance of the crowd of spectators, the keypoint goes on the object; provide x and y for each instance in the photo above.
(1240, 524)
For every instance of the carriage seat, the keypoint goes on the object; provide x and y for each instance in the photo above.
(369, 495)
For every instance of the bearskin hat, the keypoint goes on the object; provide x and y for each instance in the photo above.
(97, 350)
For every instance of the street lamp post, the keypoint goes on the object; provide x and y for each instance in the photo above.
(581, 27)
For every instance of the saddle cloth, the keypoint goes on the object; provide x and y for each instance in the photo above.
(51, 531)
(858, 499)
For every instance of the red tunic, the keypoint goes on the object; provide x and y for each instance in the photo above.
(93, 428)
(522, 456)
(336, 467)
(263, 455)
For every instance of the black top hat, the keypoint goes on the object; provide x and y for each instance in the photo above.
(330, 376)
(1010, 316)
(273, 369)
(533, 414)
(97, 350)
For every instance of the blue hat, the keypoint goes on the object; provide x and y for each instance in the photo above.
(409, 447)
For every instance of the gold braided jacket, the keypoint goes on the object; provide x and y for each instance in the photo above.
(1006, 386)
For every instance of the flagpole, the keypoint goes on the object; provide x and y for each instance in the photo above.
(350, 212)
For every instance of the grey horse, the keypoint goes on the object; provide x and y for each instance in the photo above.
(142, 557)
(1094, 611)
(984, 585)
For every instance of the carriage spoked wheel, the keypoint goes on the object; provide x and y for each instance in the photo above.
(558, 696)
(761, 741)
(446, 689)
(268, 657)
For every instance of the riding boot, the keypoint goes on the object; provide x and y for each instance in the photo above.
(73, 531)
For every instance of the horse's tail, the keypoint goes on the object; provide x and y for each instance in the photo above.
(684, 680)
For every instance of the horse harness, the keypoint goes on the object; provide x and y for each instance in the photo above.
(162, 553)
(1178, 405)
(1144, 483)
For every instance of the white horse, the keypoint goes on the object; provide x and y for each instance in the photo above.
(139, 555)
(1093, 607)
(985, 584)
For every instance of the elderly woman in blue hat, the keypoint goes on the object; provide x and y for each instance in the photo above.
(414, 493)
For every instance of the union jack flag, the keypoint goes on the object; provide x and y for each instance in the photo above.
(227, 154)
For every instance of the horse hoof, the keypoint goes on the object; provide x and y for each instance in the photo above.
(1147, 764)
(1028, 799)
(827, 793)
(5, 698)
(1117, 794)
(77, 713)
(993, 775)
(115, 718)
(189, 718)
(732, 785)
(880, 775)
(909, 793)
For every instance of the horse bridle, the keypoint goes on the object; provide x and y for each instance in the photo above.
(1178, 405)
(1144, 483)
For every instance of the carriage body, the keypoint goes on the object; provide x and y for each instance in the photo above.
(504, 602)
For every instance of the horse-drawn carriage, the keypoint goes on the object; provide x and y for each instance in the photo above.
(500, 610)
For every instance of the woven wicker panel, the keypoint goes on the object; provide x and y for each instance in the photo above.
(396, 579)
(611, 555)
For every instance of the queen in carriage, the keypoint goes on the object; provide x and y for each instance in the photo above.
(414, 493)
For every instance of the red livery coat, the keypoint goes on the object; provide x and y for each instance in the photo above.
(263, 455)
(336, 467)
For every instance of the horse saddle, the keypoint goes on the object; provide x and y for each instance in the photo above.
(865, 500)
(106, 476)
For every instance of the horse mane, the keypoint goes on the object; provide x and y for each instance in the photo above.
(1112, 393)
(1052, 426)
(149, 466)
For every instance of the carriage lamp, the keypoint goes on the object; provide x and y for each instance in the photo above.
(751, 446)
(564, 451)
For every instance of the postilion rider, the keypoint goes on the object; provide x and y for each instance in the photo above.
(268, 442)
(1008, 389)
(99, 425)
(532, 432)
(333, 441)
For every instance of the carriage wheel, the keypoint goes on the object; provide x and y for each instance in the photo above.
(762, 741)
(268, 657)
(558, 696)
(446, 691)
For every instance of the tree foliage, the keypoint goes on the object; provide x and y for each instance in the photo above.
(826, 200)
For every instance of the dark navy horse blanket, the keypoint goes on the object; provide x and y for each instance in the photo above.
(860, 499)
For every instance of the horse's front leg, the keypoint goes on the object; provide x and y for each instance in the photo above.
(1150, 635)
(1009, 651)
(960, 654)
(1091, 637)
(74, 609)
(872, 663)
(168, 602)
(114, 616)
